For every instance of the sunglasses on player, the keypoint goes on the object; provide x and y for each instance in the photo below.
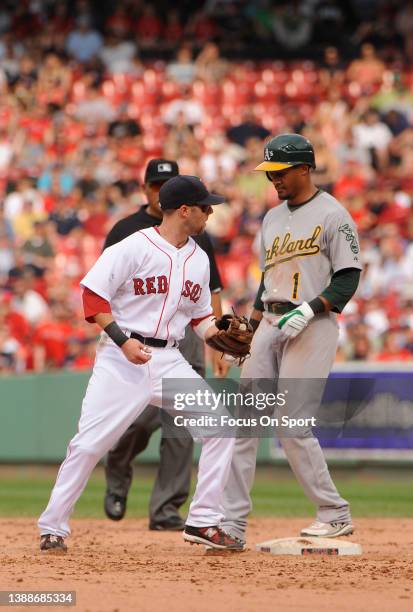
(205, 208)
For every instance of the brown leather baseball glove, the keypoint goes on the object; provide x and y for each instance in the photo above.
(234, 337)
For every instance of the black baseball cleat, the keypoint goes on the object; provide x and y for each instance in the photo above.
(213, 537)
(52, 543)
(174, 523)
(115, 506)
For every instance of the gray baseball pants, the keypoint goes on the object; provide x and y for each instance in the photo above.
(309, 356)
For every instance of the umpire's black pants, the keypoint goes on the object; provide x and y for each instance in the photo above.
(173, 480)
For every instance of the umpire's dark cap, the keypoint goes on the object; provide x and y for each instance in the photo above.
(189, 190)
(159, 170)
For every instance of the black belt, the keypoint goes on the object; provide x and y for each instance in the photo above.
(279, 308)
(155, 342)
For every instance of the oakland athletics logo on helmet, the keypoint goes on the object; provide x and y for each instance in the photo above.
(287, 150)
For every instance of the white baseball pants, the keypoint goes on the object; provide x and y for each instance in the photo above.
(118, 391)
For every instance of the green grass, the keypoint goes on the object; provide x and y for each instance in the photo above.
(372, 492)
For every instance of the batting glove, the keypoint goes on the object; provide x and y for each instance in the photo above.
(295, 321)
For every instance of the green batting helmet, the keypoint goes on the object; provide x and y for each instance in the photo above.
(287, 150)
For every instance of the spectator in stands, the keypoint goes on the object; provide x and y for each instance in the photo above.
(124, 126)
(26, 300)
(10, 53)
(326, 171)
(51, 337)
(332, 69)
(185, 108)
(79, 353)
(148, 27)
(361, 349)
(38, 251)
(64, 217)
(333, 116)
(394, 347)
(84, 42)
(24, 83)
(182, 70)
(201, 27)
(54, 81)
(374, 137)
(367, 70)
(118, 54)
(24, 222)
(210, 66)
(173, 30)
(353, 180)
(249, 128)
(398, 97)
(23, 192)
(216, 161)
(11, 353)
(11, 320)
(396, 122)
(375, 318)
(292, 26)
(95, 108)
(121, 19)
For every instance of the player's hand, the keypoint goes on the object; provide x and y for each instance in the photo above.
(136, 352)
(295, 321)
(220, 366)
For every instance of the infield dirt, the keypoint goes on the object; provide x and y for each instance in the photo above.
(124, 567)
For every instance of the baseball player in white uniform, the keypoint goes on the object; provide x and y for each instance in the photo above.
(143, 292)
(310, 269)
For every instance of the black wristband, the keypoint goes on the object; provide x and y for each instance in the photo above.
(317, 306)
(115, 333)
(254, 324)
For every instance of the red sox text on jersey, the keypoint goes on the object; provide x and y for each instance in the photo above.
(159, 284)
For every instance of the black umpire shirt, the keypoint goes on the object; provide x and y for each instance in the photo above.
(141, 220)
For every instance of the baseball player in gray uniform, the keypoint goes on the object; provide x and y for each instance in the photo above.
(310, 269)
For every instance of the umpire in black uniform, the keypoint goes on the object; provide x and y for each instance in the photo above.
(172, 484)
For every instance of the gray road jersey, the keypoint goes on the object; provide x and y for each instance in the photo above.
(303, 248)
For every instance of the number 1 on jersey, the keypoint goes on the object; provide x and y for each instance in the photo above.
(296, 279)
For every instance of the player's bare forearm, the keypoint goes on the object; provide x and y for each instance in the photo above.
(211, 331)
(216, 304)
(134, 351)
(103, 319)
(256, 314)
(220, 367)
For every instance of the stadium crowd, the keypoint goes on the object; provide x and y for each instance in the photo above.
(85, 102)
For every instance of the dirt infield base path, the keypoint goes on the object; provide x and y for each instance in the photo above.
(125, 567)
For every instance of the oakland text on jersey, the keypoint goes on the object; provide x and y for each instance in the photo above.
(301, 247)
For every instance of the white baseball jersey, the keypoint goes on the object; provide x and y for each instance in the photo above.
(153, 288)
(302, 248)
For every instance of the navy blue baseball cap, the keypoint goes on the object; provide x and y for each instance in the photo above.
(189, 190)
